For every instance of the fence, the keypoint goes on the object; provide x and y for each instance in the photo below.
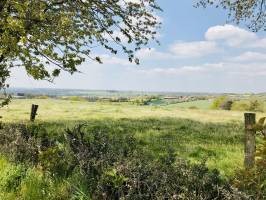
(33, 113)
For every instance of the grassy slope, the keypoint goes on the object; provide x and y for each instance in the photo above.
(200, 104)
(213, 134)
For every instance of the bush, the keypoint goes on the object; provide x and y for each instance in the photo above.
(240, 106)
(144, 101)
(19, 143)
(222, 103)
(253, 181)
(256, 105)
(217, 102)
(226, 105)
(166, 178)
(253, 104)
(99, 164)
(31, 145)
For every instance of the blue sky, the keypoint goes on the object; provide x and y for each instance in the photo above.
(199, 52)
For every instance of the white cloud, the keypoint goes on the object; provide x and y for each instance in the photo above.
(235, 36)
(113, 60)
(232, 36)
(154, 54)
(180, 50)
(223, 69)
(173, 71)
(193, 49)
(249, 56)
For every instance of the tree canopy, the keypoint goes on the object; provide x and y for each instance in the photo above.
(48, 36)
(251, 12)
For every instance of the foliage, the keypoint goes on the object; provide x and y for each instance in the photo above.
(142, 178)
(227, 105)
(143, 101)
(240, 105)
(96, 151)
(19, 143)
(256, 105)
(253, 180)
(222, 102)
(253, 12)
(253, 104)
(101, 161)
(47, 37)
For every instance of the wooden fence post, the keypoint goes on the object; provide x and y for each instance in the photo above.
(250, 143)
(33, 113)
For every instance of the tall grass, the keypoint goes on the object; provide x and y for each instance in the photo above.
(53, 110)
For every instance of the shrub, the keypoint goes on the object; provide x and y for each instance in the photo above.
(144, 101)
(166, 178)
(100, 164)
(240, 106)
(95, 151)
(18, 143)
(32, 145)
(217, 102)
(54, 161)
(227, 105)
(222, 102)
(253, 104)
(256, 105)
(252, 180)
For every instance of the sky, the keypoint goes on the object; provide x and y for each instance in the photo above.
(198, 52)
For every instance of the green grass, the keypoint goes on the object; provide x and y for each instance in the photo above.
(21, 182)
(199, 104)
(51, 110)
(194, 134)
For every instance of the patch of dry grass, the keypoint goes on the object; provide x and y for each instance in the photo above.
(64, 110)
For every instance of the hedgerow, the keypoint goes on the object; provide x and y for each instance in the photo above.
(92, 163)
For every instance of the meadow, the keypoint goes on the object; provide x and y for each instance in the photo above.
(51, 110)
(80, 150)
(195, 134)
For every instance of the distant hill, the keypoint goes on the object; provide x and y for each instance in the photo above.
(96, 93)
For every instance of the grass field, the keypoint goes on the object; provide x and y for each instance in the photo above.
(199, 104)
(194, 134)
(64, 110)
